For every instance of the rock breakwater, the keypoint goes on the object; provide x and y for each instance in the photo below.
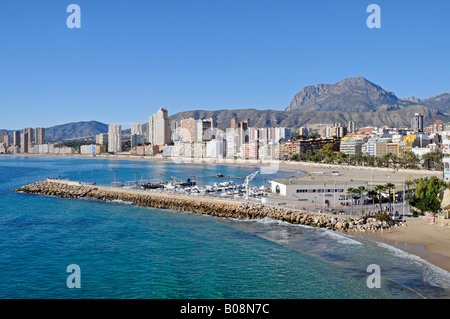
(203, 205)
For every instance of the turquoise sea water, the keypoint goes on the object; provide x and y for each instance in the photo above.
(133, 252)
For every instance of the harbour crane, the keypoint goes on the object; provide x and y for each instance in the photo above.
(247, 181)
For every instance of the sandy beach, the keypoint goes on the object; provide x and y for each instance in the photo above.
(430, 242)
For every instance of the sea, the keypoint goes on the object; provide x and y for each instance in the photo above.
(128, 252)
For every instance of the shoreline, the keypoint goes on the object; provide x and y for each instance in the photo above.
(428, 241)
(419, 238)
(305, 167)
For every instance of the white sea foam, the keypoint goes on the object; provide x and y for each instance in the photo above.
(268, 220)
(119, 201)
(342, 239)
(432, 274)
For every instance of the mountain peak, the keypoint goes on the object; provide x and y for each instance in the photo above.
(350, 95)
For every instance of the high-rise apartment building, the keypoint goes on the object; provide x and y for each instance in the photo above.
(114, 138)
(136, 140)
(436, 127)
(303, 131)
(351, 128)
(351, 146)
(325, 131)
(16, 138)
(282, 133)
(340, 131)
(231, 143)
(417, 123)
(24, 142)
(137, 129)
(30, 132)
(188, 130)
(101, 139)
(234, 123)
(243, 131)
(137, 135)
(205, 130)
(5, 138)
(159, 128)
(175, 130)
(40, 136)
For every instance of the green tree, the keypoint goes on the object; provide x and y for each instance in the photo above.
(328, 149)
(411, 159)
(425, 197)
(433, 160)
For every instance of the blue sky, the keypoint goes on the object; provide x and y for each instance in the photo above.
(131, 57)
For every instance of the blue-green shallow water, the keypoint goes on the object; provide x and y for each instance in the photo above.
(134, 252)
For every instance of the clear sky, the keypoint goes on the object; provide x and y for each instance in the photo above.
(132, 57)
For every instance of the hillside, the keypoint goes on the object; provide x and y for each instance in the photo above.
(295, 119)
(74, 130)
(440, 102)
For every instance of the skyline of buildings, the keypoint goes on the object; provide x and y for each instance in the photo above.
(21, 142)
(200, 138)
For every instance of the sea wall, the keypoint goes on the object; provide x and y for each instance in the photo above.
(203, 205)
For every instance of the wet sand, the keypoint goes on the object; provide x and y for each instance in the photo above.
(430, 242)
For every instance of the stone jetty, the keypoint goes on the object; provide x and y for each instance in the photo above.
(212, 206)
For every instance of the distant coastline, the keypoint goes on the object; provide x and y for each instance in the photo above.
(305, 167)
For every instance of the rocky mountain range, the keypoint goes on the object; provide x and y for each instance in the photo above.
(349, 95)
(359, 95)
(353, 99)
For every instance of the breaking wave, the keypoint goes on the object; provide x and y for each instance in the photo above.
(432, 274)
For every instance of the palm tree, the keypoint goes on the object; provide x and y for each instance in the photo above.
(372, 194)
(380, 189)
(408, 184)
(389, 187)
(350, 191)
(361, 190)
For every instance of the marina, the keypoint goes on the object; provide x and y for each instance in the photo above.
(189, 186)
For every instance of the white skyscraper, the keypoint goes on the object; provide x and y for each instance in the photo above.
(136, 129)
(158, 128)
(282, 133)
(215, 148)
(114, 138)
(137, 134)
